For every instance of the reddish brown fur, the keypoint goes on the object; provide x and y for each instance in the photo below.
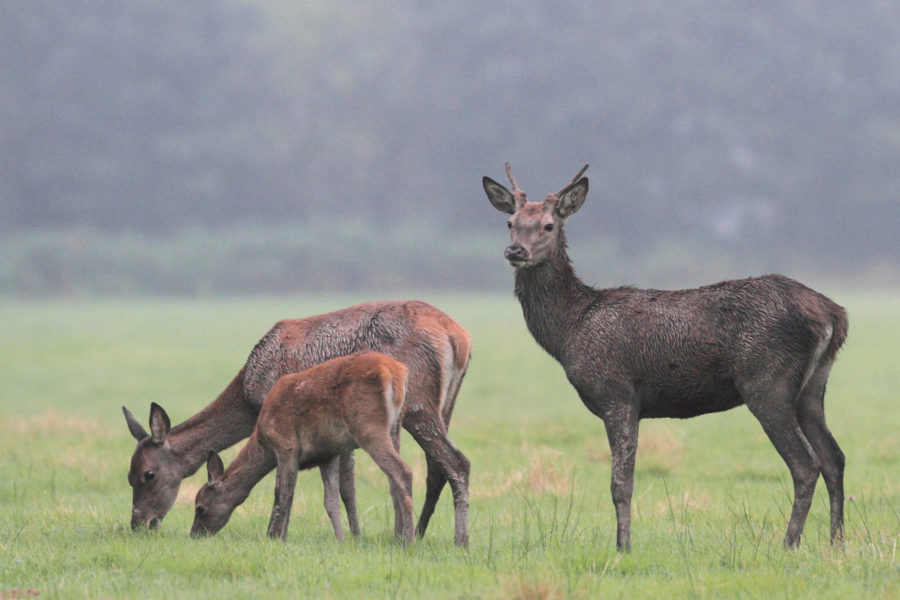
(304, 409)
(415, 333)
(309, 419)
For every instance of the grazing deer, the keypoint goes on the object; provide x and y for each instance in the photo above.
(433, 346)
(767, 342)
(309, 419)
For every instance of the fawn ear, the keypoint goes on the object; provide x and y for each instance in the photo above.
(214, 467)
(571, 198)
(501, 198)
(159, 423)
(136, 429)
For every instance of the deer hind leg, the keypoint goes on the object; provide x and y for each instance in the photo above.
(772, 404)
(397, 493)
(445, 464)
(811, 416)
(285, 482)
(434, 485)
(451, 381)
(330, 472)
(348, 491)
(400, 477)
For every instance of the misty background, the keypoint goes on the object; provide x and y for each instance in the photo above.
(212, 147)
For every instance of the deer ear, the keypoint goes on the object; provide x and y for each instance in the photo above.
(136, 429)
(214, 467)
(159, 423)
(500, 197)
(571, 198)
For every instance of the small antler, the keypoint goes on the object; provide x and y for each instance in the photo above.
(579, 174)
(553, 199)
(518, 194)
(574, 180)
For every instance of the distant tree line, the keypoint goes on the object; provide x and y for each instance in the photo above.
(764, 135)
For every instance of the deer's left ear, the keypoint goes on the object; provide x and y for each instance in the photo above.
(571, 198)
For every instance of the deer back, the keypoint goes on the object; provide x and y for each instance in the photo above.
(414, 333)
(328, 409)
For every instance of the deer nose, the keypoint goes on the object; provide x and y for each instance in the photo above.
(139, 522)
(515, 252)
(199, 532)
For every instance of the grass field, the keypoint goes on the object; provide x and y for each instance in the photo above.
(710, 504)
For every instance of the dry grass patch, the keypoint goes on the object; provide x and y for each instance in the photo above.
(687, 501)
(89, 463)
(16, 593)
(659, 451)
(50, 421)
(188, 491)
(520, 588)
(547, 473)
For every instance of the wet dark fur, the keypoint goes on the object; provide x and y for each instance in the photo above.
(767, 342)
(681, 351)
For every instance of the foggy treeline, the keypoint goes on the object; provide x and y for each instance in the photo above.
(197, 146)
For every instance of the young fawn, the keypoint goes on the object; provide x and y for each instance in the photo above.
(310, 419)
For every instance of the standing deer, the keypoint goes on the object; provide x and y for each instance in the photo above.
(767, 342)
(309, 419)
(433, 346)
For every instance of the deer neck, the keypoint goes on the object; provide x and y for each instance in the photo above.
(250, 465)
(224, 422)
(552, 298)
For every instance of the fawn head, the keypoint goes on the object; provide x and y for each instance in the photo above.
(211, 508)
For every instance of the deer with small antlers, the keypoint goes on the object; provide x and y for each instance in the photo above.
(767, 342)
(309, 419)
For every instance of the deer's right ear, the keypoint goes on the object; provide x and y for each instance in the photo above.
(501, 198)
(136, 429)
(214, 467)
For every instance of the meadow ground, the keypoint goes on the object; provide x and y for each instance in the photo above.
(710, 503)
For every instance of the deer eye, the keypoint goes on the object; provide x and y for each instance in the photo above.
(548, 227)
(509, 224)
(149, 475)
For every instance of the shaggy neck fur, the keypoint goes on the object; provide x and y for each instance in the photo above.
(553, 299)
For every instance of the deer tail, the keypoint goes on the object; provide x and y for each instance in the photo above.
(840, 325)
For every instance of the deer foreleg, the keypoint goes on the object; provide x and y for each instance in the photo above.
(622, 431)
(348, 491)
(330, 472)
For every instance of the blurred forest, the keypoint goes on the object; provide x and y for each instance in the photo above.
(209, 146)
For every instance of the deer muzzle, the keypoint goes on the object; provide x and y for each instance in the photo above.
(516, 254)
(139, 524)
(199, 531)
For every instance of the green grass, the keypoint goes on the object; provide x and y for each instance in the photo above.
(710, 504)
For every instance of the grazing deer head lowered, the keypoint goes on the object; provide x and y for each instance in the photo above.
(152, 468)
(434, 346)
(767, 342)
